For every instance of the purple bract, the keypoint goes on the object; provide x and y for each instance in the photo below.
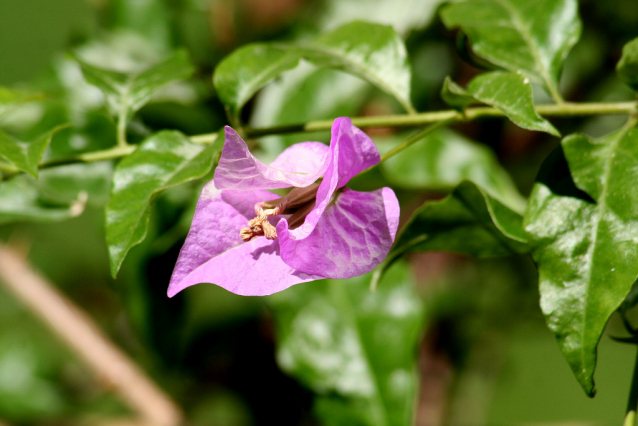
(321, 231)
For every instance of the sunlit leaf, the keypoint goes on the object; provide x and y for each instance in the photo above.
(334, 336)
(512, 94)
(242, 73)
(585, 237)
(163, 160)
(532, 37)
(373, 52)
(442, 160)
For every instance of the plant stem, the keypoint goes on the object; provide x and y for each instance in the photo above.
(423, 133)
(441, 118)
(632, 404)
(566, 109)
(80, 333)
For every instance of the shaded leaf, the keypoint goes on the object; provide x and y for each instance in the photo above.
(128, 92)
(334, 336)
(442, 160)
(518, 35)
(455, 96)
(585, 237)
(165, 159)
(373, 52)
(512, 94)
(627, 67)
(20, 201)
(25, 155)
(242, 73)
(467, 221)
(64, 184)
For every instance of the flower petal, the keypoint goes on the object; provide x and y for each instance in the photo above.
(351, 237)
(300, 165)
(254, 268)
(214, 252)
(351, 151)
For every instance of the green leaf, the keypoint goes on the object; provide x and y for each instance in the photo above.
(334, 336)
(373, 52)
(165, 159)
(627, 67)
(21, 201)
(65, 184)
(585, 236)
(467, 221)
(25, 155)
(455, 96)
(445, 158)
(242, 73)
(511, 93)
(334, 94)
(520, 35)
(127, 93)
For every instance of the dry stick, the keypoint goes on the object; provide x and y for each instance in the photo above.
(79, 331)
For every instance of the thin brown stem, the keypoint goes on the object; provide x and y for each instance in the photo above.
(75, 328)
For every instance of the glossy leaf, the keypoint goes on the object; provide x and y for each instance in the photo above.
(512, 94)
(163, 160)
(25, 155)
(129, 92)
(442, 160)
(373, 52)
(21, 201)
(627, 67)
(242, 73)
(519, 35)
(334, 336)
(585, 237)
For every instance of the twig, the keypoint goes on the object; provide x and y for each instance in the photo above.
(83, 336)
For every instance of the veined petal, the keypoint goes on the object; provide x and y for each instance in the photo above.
(351, 237)
(215, 229)
(351, 151)
(254, 268)
(300, 165)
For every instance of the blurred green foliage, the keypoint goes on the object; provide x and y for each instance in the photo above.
(216, 353)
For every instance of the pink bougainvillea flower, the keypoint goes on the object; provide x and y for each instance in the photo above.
(253, 242)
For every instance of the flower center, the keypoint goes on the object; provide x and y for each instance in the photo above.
(298, 203)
